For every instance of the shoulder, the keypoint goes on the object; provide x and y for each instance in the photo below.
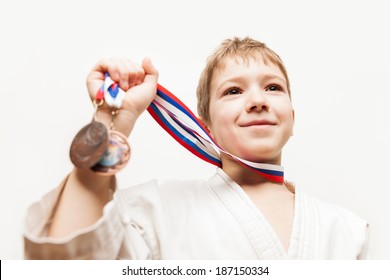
(336, 215)
(155, 192)
(171, 186)
(338, 227)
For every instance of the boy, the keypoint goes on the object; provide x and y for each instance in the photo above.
(244, 101)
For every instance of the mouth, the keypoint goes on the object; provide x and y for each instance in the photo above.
(259, 123)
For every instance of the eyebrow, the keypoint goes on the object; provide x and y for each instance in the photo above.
(240, 79)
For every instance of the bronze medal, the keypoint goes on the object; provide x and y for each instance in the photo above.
(116, 155)
(89, 145)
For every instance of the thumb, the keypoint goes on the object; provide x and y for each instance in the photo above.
(151, 73)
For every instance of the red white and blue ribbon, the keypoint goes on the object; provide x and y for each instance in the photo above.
(111, 92)
(179, 121)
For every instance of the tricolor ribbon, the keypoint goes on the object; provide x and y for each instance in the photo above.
(111, 93)
(181, 123)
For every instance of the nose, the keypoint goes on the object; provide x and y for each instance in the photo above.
(256, 101)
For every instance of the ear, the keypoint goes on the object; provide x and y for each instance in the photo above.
(205, 124)
(293, 117)
(293, 114)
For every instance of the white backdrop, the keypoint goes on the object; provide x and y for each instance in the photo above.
(336, 53)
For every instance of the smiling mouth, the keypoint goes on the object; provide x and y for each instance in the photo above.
(260, 123)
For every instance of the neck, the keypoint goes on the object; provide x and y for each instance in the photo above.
(243, 175)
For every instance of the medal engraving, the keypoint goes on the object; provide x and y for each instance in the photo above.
(89, 145)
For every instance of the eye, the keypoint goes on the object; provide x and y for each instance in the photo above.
(274, 88)
(232, 91)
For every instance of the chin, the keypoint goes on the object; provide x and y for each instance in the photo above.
(262, 156)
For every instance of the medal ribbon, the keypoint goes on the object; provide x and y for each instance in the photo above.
(181, 123)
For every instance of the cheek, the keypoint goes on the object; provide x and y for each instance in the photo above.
(221, 121)
(282, 107)
(287, 116)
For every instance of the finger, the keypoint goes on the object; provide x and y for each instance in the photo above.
(95, 78)
(151, 72)
(125, 71)
(113, 69)
(109, 65)
(137, 74)
(139, 78)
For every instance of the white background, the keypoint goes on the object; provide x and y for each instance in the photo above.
(336, 53)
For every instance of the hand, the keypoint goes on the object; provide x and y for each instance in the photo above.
(138, 81)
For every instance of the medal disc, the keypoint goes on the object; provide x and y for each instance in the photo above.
(89, 145)
(116, 156)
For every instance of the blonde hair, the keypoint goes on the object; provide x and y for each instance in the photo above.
(232, 48)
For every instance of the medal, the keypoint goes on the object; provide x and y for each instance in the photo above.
(89, 145)
(116, 155)
(105, 152)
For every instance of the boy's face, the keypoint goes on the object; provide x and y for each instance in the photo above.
(250, 110)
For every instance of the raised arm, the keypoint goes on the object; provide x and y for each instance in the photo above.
(86, 192)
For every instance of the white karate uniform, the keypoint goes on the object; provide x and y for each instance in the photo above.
(197, 219)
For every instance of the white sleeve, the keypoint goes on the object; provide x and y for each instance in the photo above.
(109, 238)
(366, 253)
